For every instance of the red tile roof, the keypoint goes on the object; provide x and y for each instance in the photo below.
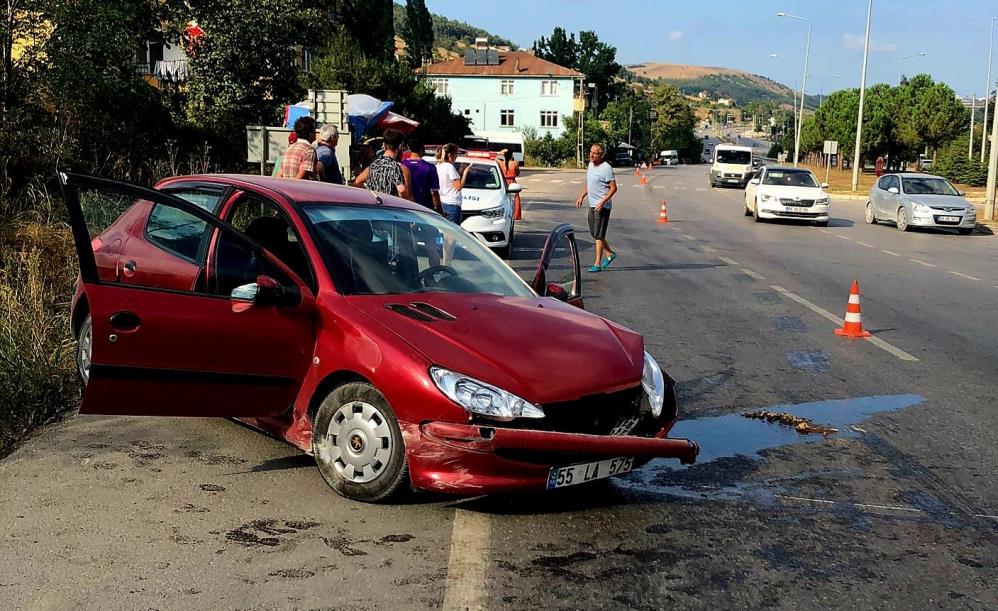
(511, 63)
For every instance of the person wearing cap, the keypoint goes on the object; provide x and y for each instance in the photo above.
(299, 159)
(325, 152)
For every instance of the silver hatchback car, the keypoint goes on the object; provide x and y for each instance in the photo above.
(919, 200)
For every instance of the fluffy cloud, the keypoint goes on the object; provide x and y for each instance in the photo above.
(851, 41)
(675, 36)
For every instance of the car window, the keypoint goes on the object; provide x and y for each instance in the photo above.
(236, 264)
(884, 182)
(892, 181)
(928, 186)
(787, 178)
(206, 197)
(266, 224)
(176, 232)
(737, 157)
(481, 176)
(382, 251)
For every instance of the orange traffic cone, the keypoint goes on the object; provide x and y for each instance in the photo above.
(663, 214)
(853, 326)
(644, 179)
(637, 172)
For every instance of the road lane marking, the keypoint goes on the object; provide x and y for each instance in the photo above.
(687, 236)
(920, 262)
(873, 339)
(701, 188)
(964, 276)
(709, 249)
(659, 186)
(729, 261)
(468, 564)
(576, 182)
(752, 274)
(826, 231)
(842, 237)
(888, 252)
(865, 244)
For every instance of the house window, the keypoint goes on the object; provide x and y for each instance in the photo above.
(506, 118)
(549, 87)
(506, 87)
(441, 86)
(549, 118)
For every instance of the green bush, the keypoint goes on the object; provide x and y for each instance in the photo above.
(952, 163)
(548, 151)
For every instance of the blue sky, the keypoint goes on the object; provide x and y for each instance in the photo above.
(742, 34)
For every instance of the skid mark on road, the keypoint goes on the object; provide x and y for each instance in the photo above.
(876, 341)
(468, 565)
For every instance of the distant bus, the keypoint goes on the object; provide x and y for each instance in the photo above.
(495, 142)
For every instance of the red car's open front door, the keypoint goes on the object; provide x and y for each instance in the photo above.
(238, 343)
(558, 271)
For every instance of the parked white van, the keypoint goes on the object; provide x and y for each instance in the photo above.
(670, 157)
(731, 165)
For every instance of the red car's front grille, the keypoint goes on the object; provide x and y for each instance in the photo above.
(611, 413)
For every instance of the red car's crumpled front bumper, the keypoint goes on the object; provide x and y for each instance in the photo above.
(482, 459)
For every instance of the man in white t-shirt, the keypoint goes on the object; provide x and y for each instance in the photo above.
(601, 186)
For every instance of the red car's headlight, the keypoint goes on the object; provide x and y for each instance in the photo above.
(482, 398)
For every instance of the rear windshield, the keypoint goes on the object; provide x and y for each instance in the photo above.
(928, 186)
(739, 157)
(790, 179)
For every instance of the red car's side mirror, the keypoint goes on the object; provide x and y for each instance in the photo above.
(266, 292)
(555, 290)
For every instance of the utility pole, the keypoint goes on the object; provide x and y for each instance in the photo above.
(987, 92)
(630, 121)
(970, 141)
(989, 201)
(856, 162)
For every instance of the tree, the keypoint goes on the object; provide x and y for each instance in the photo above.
(674, 124)
(371, 22)
(598, 61)
(560, 49)
(938, 116)
(418, 32)
(242, 67)
(628, 120)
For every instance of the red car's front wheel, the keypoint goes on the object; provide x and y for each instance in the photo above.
(358, 445)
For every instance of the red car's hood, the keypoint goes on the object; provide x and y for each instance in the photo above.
(537, 348)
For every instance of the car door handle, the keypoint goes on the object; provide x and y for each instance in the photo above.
(125, 321)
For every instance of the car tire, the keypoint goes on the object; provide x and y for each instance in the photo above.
(755, 213)
(965, 230)
(871, 214)
(84, 350)
(902, 222)
(748, 211)
(355, 426)
(504, 251)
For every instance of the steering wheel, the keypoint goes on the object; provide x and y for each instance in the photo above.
(430, 272)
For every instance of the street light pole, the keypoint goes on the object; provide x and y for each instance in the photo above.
(970, 141)
(989, 200)
(987, 91)
(904, 58)
(856, 162)
(796, 121)
(803, 84)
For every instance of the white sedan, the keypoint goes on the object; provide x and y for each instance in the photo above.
(786, 193)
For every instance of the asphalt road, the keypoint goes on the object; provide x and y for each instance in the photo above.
(898, 509)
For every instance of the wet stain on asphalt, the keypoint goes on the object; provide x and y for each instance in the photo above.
(790, 324)
(266, 532)
(212, 488)
(292, 574)
(402, 538)
(814, 361)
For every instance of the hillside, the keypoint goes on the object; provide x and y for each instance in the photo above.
(741, 86)
(451, 36)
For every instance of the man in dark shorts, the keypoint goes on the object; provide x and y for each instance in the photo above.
(601, 186)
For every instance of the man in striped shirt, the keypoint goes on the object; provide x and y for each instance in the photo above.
(299, 160)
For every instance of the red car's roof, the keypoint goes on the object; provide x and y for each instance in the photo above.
(301, 191)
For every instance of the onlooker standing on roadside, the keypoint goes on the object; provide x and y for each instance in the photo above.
(510, 170)
(299, 159)
(601, 185)
(386, 174)
(325, 152)
(292, 138)
(425, 182)
(450, 182)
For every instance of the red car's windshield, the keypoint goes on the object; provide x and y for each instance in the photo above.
(381, 251)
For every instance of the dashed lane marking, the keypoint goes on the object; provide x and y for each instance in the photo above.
(888, 252)
(687, 236)
(876, 341)
(467, 567)
(701, 188)
(964, 276)
(920, 262)
(659, 186)
(556, 181)
(865, 244)
(729, 261)
(842, 237)
(752, 274)
(708, 249)
(576, 182)
(826, 231)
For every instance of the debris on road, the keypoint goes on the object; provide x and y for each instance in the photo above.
(801, 425)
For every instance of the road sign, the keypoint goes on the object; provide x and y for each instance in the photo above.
(831, 147)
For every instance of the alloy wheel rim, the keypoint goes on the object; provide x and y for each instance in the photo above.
(902, 220)
(85, 352)
(869, 213)
(359, 442)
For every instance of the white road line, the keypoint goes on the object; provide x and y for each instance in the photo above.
(876, 341)
(964, 276)
(920, 262)
(687, 236)
(709, 249)
(576, 182)
(729, 261)
(468, 564)
(887, 252)
(701, 188)
(865, 244)
(659, 186)
(826, 231)
(556, 181)
(752, 274)
(842, 237)
(984, 515)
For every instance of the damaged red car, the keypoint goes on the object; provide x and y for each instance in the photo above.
(387, 342)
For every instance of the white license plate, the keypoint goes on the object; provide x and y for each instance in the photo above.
(949, 219)
(796, 209)
(559, 477)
